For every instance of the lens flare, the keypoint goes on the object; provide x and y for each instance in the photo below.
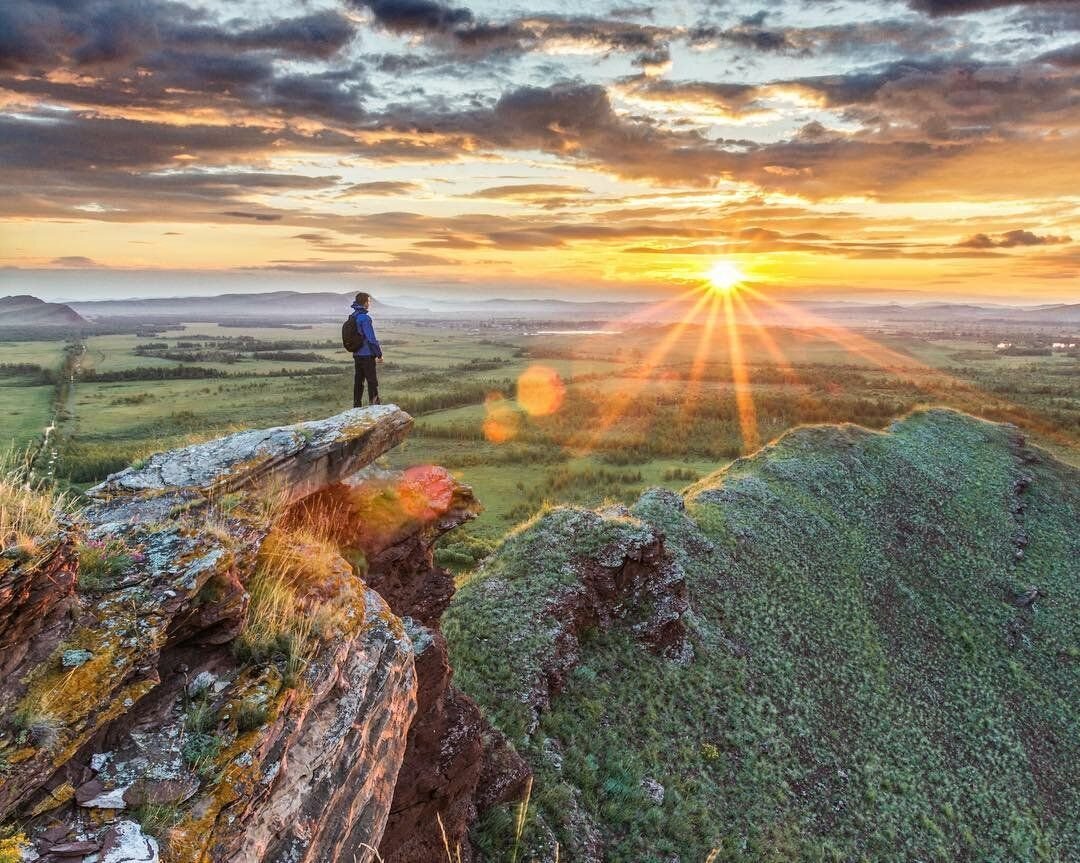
(540, 391)
(502, 421)
(725, 276)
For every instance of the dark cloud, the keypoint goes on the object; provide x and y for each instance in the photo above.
(863, 37)
(961, 7)
(733, 98)
(320, 34)
(456, 29)
(381, 187)
(758, 39)
(1067, 58)
(255, 217)
(130, 170)
(38, 34)
(1011, 239)
(63, 141)
(74, 261)
(917, 119)
(417, 16)
(942, 100)
(186, 59)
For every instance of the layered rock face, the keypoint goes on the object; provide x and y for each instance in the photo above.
(391, 520)
(233, 655)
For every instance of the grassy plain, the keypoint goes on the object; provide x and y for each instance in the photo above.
(653, 406)
(25, 402)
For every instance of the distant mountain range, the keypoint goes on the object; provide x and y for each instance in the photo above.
(296, 306)
(300, 306)
(25, 310)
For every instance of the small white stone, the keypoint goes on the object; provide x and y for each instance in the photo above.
(202, 682)
(131, 845)
(111, 799)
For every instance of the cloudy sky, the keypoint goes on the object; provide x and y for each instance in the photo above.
(915, 149)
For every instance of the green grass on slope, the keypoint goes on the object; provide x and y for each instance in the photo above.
(861, 689)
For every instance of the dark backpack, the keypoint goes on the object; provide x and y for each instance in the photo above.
(351, 337)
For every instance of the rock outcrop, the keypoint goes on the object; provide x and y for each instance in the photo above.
(233, 654)
(289, 462)
(571, 572)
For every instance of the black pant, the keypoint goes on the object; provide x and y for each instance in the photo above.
(365, 371)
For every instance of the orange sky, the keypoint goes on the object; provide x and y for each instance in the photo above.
(919, 149)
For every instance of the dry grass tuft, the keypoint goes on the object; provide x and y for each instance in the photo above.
(522, 816)
(452, 856)
(302, 592)
(29, 508)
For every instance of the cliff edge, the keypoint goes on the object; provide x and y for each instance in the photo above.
(233, 654)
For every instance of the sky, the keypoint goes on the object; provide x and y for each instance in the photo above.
(905, 149)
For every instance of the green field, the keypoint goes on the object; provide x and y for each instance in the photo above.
(26, 404)
(652, 406)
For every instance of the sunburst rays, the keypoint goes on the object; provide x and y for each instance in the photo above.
(734, 334)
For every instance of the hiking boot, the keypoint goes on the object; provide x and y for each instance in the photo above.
(376, 401)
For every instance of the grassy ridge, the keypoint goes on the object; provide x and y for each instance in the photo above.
(862, 687)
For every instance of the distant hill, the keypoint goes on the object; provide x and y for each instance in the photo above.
(1060, 313)
(851, 645)
(24, 310)
(276, 306)
(301, 306)
(298, 306)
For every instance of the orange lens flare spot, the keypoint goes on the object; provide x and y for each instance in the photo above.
(502, 422)
(540, 391)
(424, 491)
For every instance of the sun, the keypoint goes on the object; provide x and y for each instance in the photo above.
(725, 276)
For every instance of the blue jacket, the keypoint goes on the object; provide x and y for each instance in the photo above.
(371, 346)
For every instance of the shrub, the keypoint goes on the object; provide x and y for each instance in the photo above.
(201, 718)
(461, 551)
(35, 728)
(250, 715)
(101, 563)
(200, 751)
(680, 474)
(157, 819)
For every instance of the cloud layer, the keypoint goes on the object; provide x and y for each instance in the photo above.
(645, 133)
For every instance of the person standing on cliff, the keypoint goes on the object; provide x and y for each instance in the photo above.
(367, 355)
